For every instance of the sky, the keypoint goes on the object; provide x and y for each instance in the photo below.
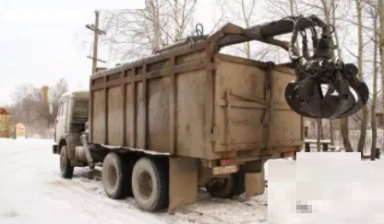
(40, 45)
(41, 42)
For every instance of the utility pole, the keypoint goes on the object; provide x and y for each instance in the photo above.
(97, 32)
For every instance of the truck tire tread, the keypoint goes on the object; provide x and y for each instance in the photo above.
(65, 164)
(158, 197)
(119, 168)
(221, 190)
(238, 187)
(233, 186)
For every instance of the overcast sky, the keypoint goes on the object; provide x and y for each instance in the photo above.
(41, 51)
(41, 42)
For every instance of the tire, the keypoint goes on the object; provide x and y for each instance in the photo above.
(65, 164)
(150, 184)
(220, 187)
(115, 176)
(238, 187)
(128, 164)
(227, 187)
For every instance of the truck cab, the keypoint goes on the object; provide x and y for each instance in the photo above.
(71, 119)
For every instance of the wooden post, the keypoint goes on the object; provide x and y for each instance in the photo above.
(325, 147)
(307, 147)
(95, 42)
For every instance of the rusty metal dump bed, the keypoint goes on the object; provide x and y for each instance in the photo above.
(193, 101)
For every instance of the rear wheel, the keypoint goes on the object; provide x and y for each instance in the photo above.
(65, 164)
(116, 176)
(227, 187)
(150, 184)
(239, 184)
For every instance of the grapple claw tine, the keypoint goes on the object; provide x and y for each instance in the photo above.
(310, 98)
(363, 96)
(293, 100)
(345, 98)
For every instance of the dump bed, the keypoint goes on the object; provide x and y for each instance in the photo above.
(183, 103)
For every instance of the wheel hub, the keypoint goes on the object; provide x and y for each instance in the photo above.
(112, 176)
(145, 184)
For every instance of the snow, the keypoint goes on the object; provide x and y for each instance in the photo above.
(308, 140)
(72, 91)
(146, 151)
(326, 188)
(32, 191)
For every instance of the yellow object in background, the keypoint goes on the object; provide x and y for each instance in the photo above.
(4, 123)
(20, 130)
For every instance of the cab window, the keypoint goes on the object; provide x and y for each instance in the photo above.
(62, 108)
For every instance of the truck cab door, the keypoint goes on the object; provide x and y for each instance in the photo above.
(61, 120)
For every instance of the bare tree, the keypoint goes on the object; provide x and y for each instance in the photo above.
(364, 122)
(247, 18)
(243, 13)
(344, 124)
(319, 133)
(56, 91)
(381, 45)
(182, 14)
(374, 12)
(29, 108)
(329, 8)
(326, 9)
(134, 34)
(283, 8)
(327, 15)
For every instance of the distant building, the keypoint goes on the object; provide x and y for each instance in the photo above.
(4, 123)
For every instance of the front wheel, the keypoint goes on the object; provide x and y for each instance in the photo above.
(65, 164)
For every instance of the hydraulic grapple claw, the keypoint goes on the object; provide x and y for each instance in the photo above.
(345, 94)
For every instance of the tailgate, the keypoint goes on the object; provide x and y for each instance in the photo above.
(248, 108)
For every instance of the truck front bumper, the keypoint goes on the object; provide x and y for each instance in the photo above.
(54, 149)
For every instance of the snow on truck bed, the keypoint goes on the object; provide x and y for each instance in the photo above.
(32, 191)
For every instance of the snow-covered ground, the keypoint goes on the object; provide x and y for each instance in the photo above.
(319, 188)
(32, 191)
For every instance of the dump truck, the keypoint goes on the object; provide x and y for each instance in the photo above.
(185, 118)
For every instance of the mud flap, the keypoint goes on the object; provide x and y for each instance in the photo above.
(254, 184)
(182, 182)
